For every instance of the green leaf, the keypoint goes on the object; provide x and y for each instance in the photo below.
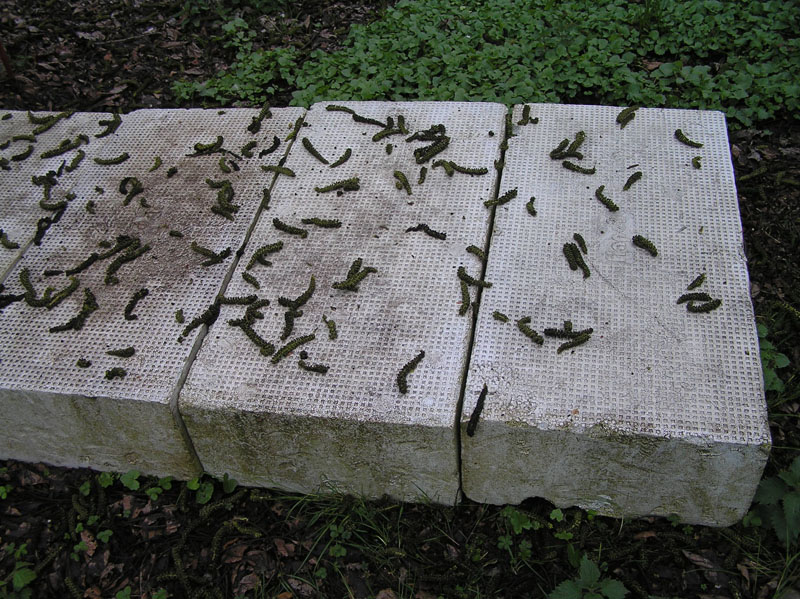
(557, 515)
(791, 511)
(22, 577)
(613, 589)
(205, 492)
(104, 535)
(781, 361)
(568, 589)
(85, 488)
(588, 572)
(228, 484)
(124, 593)
(129, 479)
(770, 491)
(193, 484)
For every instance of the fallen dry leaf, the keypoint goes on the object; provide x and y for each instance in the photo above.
(386, 594)
(645, 534)
(91, 544)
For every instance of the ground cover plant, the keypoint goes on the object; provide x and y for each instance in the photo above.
(78, 533)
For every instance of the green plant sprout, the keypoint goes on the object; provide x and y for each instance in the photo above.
(588, 584)
(771, 361)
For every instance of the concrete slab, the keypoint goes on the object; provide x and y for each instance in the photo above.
(54, 410)
(662, 411)
(274, 424)
(23, 142)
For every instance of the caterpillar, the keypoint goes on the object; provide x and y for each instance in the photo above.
(569, 150)
(302, 298)
(6, 242)
(408, 368)
(631, 180)
(522, 325)
(110, 125)
(529, 206)
(645, 244)
(427, 230)
(705, 307)
(526, 117)
(109, 161)
(296, 129)
(699, 280)
(174, 233)
(131, 306)
(7, 116)
(22, 155)
(281, 170)
(465, 299)
(30, 138)
(356, 117)
(45, 123)
(265, 348)
(569, 254)
(7, 300)
(567, 332)
(122, 353)
(44, 224)
(354, 276)
(579, 340)
(116, 373)
(4, 163)
(129, 255)
(446, 165)
(76, 322)
(580, 241)
(467, 170)
(606, 201)
(5, 144)
(321, 222)
(313, 151)
(201, 149)
(388, 131)
(208, 318)
(223, 166)
(423, 172)
(48, 299)
(179, 317)
(402, 182)
(475, 250)
(558, 152)
(351, 184)
(694, 297)
(265, 199)
(282, 226)
(156, 164)
(696, 162)
(571, 166)
(291, 346)
(258, 255)
(247, 149)
(213, 257)
(52, 272)
(318, 368)
(274, 146)
(626, 116)
(83, 363)
(332, 332)
(476, 412)
(251, 280)
(171, 171)
(503, 199)
(131, 186)
(255, 124)
(123, 242)
(422, 155)
(497, 315)
(343, 158)
(288, 326)
(99, 189)
(681, 137)
(389, 148)
(64, 147)
(462, 274)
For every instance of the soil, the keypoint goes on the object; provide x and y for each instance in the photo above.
(122, 55)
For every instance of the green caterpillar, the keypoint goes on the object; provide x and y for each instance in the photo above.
(22, 155)
(202, 149)
(705, 307)
(631, 180)
(318, 368)
(281, 170)
(694, 297)
(76, 322)
(255, 124)
(251, 280)
(579, 340)
(462, 274)
(122, 353)
(116, 160)
(354, 276)
(465, 299)
(213, 257)
(332, 333)
(626, 116)
(428, 231)
(696, 162)
(497, 315)
(606, 201)
(571, 166)
(110, 125)
(423, 171)
(529, 206)
(6, 242)
(645, 244)
(522, 325)
(157, 164)
(402, 182)
(351, 184)
(291, 346)
(503, 199)
(258, 255)
(116, 373)
(681, 137)
(131, 306)
(343, 158)
(699, 280)
(282, 226)
(313, 151)
(321, 222)
(473, 249)
(580, 241)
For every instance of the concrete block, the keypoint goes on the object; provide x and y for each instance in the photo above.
(274, 424)
(54, 410)
(662, 411)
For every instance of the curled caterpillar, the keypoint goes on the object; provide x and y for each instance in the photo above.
(696, 162)
(202, 149)
(645, 244)
(22, 155)
(255, 124)
(131, 305)
(76, 322)
(6, 242)
(503, 199)
(606, 201)
(476, 412)
(299, 301)
(247, 149)
(522, 325)
(313, 151)
(110, 125)
(282, 226)
(446, 165)
(402, 376)
(343, 158)
(258, 255)
(475, 250)
(131, 187)
(571, 166)
(402, 182)
(116, 160)
(274, 146)
(626, 116)
(462, 274)
(631, 180)
(425, 228)
(157, 164)
(681, 137)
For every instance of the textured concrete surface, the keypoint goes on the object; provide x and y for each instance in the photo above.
(352, 428)
(57, 412)
(662, 411)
